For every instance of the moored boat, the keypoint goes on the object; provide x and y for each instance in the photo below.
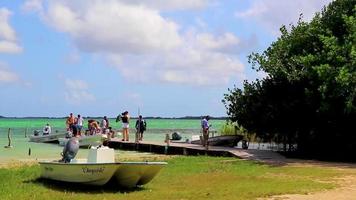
(225, 140)
(86, 140)
(52, 137)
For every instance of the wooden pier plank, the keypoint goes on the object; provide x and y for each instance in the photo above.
(265, 156)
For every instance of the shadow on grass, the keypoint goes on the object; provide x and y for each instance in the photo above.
(110, 187)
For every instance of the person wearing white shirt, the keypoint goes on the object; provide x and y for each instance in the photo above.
(104, 124)
(47, 130)
(79, 122)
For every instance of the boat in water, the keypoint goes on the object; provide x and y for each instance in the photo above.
(86, 140)
(52, 137)
(99, 168)
(225, 140)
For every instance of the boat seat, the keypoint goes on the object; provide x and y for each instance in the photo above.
(83, 160)
(101, 155)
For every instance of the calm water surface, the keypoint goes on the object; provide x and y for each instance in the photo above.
(156, 131)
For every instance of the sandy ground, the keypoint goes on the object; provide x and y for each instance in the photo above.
(17, 163)
(346, 189)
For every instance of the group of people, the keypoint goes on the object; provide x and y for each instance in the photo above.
(75, 125)
(96, 127)
(140, 126)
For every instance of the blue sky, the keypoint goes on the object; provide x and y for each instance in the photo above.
(169, 58)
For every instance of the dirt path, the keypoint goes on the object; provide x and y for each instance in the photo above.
(346, 189)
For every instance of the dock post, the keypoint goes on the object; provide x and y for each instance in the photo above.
(167, 144)
(136, 137)
(25, 132)
(206, 141)
(9, 138)
(185, 152)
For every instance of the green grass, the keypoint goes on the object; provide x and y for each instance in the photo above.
(184, 178)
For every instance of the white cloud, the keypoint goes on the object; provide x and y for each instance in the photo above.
(8, 39)
(112, 26)
(188, 65)
(33, 5)
(272, 14)
(9, 47)
(72, 57)
(225, 42)
(145, 46)
(6, 75)
(77, 92)
(170, 4)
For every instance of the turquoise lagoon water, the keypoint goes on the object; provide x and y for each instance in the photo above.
(20, 128)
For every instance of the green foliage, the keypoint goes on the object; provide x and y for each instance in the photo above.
(183, 178)
(309, 95)
(229, 129)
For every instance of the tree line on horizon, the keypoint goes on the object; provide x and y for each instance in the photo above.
(308, 98)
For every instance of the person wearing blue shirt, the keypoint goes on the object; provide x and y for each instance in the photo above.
(205, 126)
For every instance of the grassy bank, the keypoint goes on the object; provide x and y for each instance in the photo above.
(184, 178)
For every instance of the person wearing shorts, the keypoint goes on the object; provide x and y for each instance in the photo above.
(125, 125)
(79, 122)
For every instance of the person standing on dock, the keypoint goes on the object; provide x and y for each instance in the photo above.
(205, 126)
(79, 122)
(104, 124)
(70, 122)
(140, 127)
(125, 125)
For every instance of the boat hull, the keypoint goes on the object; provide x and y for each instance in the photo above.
(132, 174)
(229, 140)
(126, 174)
(91, 174)
(85, 141)
(46, 138)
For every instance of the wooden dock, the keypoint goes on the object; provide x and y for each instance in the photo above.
(172, 148)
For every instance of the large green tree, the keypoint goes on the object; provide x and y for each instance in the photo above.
(309, 94)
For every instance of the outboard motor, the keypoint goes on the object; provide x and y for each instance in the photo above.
(176, 136)
(244, 144)
(70, 150)
(69, 134)
(36, 132)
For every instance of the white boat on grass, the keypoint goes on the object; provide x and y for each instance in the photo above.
(99, 168)
(86, 140)
(52, 137)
